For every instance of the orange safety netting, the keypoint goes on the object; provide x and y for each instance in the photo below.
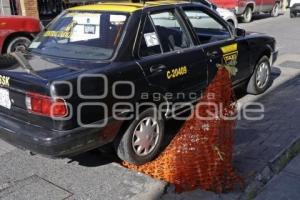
(200, 155)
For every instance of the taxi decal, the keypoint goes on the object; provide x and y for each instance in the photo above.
(58, 34)
(230, 56)
(4, 81)
(229, 48)
(177, 72)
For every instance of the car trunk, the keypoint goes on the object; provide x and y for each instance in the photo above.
(17, 81)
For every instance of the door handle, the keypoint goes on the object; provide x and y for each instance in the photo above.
(157, 68)
(212, 54)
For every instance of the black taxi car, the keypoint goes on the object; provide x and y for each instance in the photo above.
(78, 85)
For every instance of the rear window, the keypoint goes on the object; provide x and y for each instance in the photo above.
(82, 35)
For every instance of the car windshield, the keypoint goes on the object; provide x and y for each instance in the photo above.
(82, 35)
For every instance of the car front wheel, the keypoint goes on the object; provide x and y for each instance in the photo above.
(275, 10)
(247, 16)
(260, 79)
(19, 43)
(143, 138)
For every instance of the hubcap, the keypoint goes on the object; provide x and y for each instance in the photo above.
(19, 45)
(248, 14)
(262, 75)
(276, 10)
(145, 136)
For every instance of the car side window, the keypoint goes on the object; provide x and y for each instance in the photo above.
(150, 44)
(206, 27)
(170, 31)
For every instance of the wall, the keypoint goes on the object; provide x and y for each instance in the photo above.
(4, 7)
(29, 8)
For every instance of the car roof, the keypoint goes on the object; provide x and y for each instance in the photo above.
(125, 6)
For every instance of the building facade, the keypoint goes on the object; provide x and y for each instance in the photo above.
(43, 9)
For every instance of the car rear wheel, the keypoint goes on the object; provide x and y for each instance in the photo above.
(231, 23)
(143, 138)
(275, 10)
(260, 79)
(247, 16)
(19, 43)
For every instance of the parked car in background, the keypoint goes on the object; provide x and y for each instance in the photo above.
(294, 8)
(226, 14)
(246, 8)
(17, 32)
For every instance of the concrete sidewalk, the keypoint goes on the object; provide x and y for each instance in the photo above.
(285, 185)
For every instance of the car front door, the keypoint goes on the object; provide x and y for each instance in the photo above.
(217, 41)
(168, 57)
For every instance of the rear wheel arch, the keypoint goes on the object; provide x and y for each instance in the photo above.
(144, 105)
(122, 143)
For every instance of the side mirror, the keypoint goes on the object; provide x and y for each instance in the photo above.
(240, 32)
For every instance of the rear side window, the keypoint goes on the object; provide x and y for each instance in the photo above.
(207, 28)
(170, 31)
(150, 44)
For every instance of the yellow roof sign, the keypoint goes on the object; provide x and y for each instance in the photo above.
(122, 6)
(119, 7)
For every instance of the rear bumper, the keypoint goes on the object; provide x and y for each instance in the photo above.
(55, 143)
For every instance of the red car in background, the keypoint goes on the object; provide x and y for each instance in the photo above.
(17, 32)
(246, 8)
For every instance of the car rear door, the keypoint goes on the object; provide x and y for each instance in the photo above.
(218, 43)
(169, 58)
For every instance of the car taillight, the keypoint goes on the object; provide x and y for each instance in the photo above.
(45, 105)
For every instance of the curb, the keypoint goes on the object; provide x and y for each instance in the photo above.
(273, 167)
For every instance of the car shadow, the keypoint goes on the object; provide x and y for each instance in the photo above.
(96, 158)
(262, 16)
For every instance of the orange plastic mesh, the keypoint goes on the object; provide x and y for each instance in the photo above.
(200, 155)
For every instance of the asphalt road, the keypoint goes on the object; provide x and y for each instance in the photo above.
(96, 175)
(285, 30)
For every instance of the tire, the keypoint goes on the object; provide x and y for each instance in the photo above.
(18, 43)
(7, 61)
(261, 77)
(292, 14)
(247, 16)
(127, 147)
(231, 23)
(275, 10)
